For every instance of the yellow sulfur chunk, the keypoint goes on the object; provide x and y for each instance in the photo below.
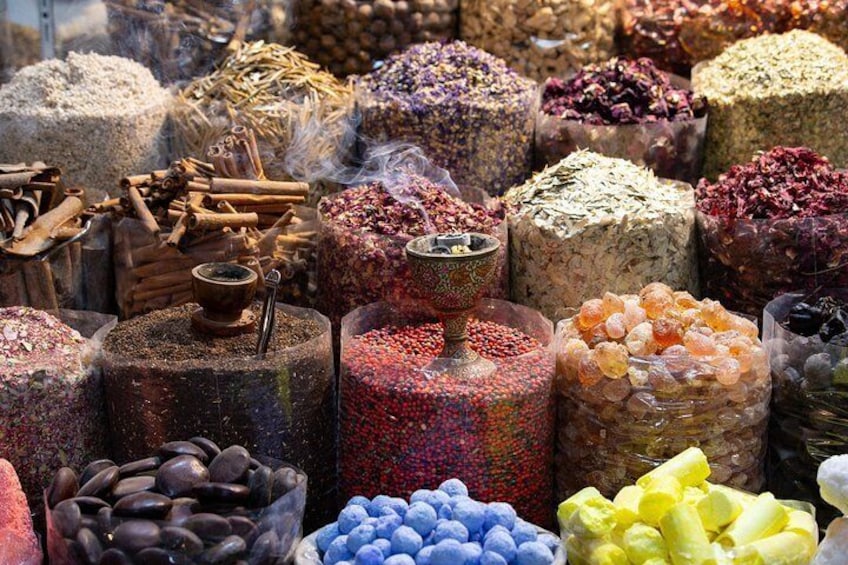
(661, 494)
(643, 543)
(570, 505)
(717, 509)
(745, 499)
(692, 495)
(689, 467)
(594, 552)
(762, 519)
(785, 548)
(656, 562)
(803, 524)
(685, 537)
(595, 518)
(627, 504)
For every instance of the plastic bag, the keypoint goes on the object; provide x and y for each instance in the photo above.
(745, 263)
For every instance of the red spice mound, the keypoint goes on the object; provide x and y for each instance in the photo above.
(18, 543)
(785, 182)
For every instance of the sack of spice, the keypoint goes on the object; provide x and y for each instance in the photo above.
(364, 231)
(301, 115)
(680, 33)
(182, 39)
(626, 109)
(789, 89)
(51, 399)
(776, 224)
(806, 335)
(93, 116)
(354, 36)
(470, 113)
(541, 38)
(592, 223)
(642, 377)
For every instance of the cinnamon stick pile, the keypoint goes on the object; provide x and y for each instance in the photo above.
(38, 214)
(196, 212)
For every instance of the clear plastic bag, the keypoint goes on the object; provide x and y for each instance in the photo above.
(745, 263)
(613, 431)
(673, 150)
(403, 426)
(542, 38)
(809, 415)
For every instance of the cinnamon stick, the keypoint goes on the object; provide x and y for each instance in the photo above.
(39, 283)
(142, 295)
(142, 211)
(36, 237)
(167, 265)
(12, 193)
(134, 180)
(266, 208)
(236, 199)
(14, 180)
(217, 221)
(219, 185)
(181, 224)
(164, 280)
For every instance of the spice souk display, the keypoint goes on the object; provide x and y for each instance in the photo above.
(354, 36)
(468, 111)
(541, 38)
(301, 115)
(674, 515)
(832, 479)
(182, 39)
(209, 379)
(626, 109)
(20, 544)
(642, 377)
(93, 116)
(444, 525)
(806, 337)
(469, 397)
(772, 225)
(591, 224)
(681, 33)
(788, 89)
(360, 248)
(51, 397)
(185, 502)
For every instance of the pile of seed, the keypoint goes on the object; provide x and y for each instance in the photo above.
(470, 113)
(592, 224)
(96, 117)
(789, 89)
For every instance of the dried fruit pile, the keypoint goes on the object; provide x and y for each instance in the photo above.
(784, 212)
(403, 425)
(683, 371)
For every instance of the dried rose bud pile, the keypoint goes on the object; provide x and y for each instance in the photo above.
(470, 113)
(641, 377)
(620, 91)
(365, 229)
(784, 212)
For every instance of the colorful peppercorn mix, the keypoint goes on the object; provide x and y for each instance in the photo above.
(785, 213)
(365, 229)
(626, 109)
(470, 113)
(680, 372)
(403, 426)
(805, 335)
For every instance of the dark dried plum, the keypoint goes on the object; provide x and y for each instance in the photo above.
(804, 319)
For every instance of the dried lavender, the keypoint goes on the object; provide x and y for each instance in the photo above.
(627, 109)
(789, 89)
(785, 212)
(468, 111)
(592, 224)
(365, 229)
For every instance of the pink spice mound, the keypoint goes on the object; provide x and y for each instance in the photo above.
(33, 340)
(18, 543)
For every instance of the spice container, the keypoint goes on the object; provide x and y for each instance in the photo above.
(806, 340)
(625, 109)
(187, 502)
(180, 39)
(92, 116)
(788, 89)
(364, 231)
(784, 212)
(470, 113)
(51, 399)
(354, 36)
(592, 223)
(423, 401)
(281, 405)
(541, 38)
(641, 378)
